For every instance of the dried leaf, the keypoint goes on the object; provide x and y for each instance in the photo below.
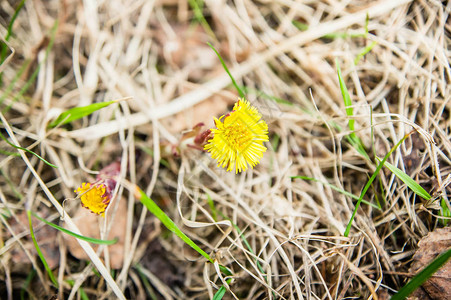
(90, 224)
(432, 245)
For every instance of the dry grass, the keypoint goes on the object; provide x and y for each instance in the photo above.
(156, 53)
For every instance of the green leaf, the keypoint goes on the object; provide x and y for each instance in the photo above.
(336, 189)
(75, 235)
(164, 218)
(220, 293)
(197, 9)
(412, 184)
(370, 181)
(154, 209)
(334, 35)
(149, 151)
(214, 213)
(342, 35)
(240, 92)
(445, 212)
(83, 294)
(422, 276)
(262, 94)
(12, 186)
(40, 254)
(79, 112)
(346, 97)
(8, 153)
(26, 283)
(364, 52)
(4, 47)
(275, 141)
(246, 243)
(367, 21)
(146, 283)
(355, 141)
(8, 90)
(299, 25)
(27, 150)
(13, 19)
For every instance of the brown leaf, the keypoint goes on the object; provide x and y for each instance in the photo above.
(435, 243)
(45, 237)
(90, 224)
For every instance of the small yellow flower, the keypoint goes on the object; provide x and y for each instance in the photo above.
(238, 142)
(94, 197)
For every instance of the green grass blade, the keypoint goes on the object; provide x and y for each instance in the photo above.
(355, 141)
(26, 283)
(27, 150)
(149, 152)
(422, 276)
(9, 32)
(299, 25)
(365, 51)
(328, 184)
(444, 211)
(220, 293)
(8, 153)
(246, 243)
(370, 181)
(343, 35)
(275, 141)
(83, 294)
(335, 188)
(334, 35)
(380, 202)
(164, 218)
(367, 22)
(412, 184)
(41, 256)
(11, 185)
(211, 204)
(346, 97)
(197, 9)
(75, 235)
(79, 112)
(367, 48)
(240, 92)
(146, 283)
(262, 94)
(11, 85)
(13, 19)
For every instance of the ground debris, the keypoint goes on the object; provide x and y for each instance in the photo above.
(432, 245)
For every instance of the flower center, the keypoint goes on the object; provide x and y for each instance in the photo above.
(238, 136)
(93, 198)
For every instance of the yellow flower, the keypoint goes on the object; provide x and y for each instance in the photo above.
(94, 197)
(238, 142)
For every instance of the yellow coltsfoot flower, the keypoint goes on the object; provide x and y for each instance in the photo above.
(94, 197)
(238, 140)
